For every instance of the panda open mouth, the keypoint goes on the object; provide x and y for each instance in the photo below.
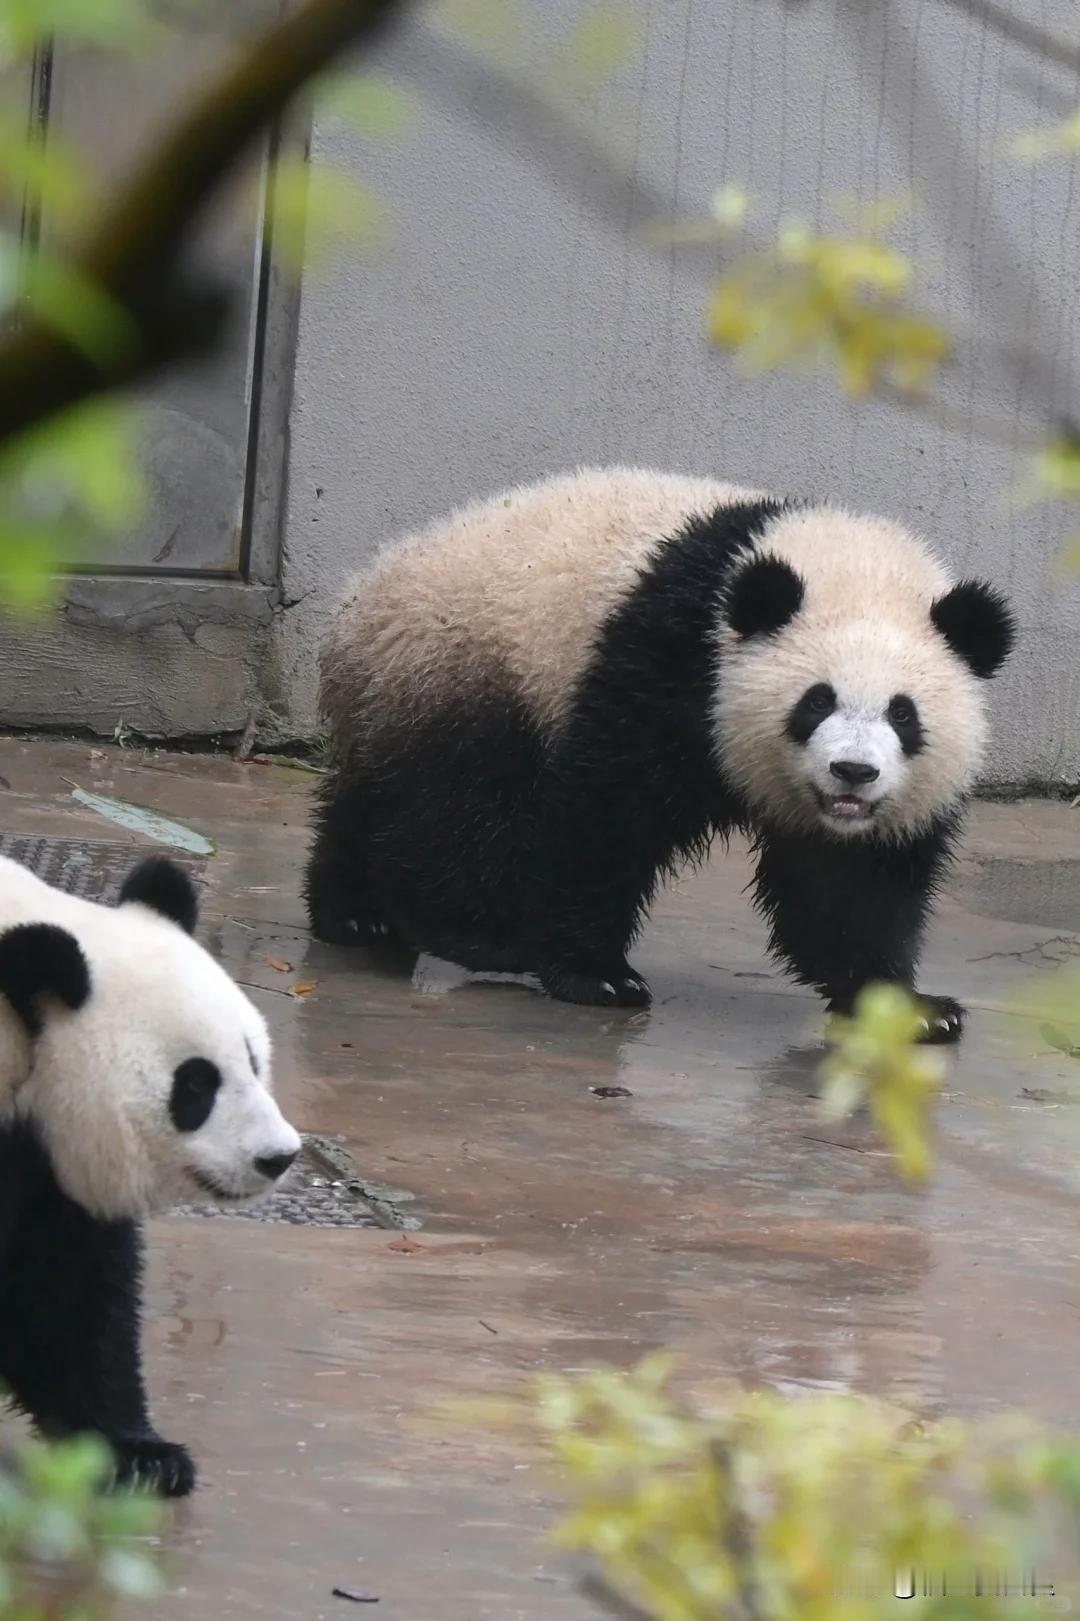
(845, 807)
(214, 1189)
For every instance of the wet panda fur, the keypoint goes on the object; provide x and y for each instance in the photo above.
(133, 1074)
(543, 705)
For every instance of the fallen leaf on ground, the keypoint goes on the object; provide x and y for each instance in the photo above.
(404, 1245)
(611, 1092)
(304, 987)
(279, 965)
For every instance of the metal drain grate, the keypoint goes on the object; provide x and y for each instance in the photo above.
(93, 869)
(324, 1189)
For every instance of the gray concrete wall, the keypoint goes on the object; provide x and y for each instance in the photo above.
(519, 326)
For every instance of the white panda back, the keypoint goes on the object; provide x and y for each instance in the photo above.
(510, 589)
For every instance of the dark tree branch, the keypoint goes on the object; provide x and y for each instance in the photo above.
(1021, 31)
(134, 251)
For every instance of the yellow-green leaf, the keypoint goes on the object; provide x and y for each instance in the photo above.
(601, 43)
(370, 102)
(318, 209)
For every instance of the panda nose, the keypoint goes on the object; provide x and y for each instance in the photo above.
(274, 1166)
(855, 773)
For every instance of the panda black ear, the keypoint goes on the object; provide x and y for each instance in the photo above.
(39, 960)
(166, 888)
(763, 597)
(978, 625)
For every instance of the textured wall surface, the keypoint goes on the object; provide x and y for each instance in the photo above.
(520, 325)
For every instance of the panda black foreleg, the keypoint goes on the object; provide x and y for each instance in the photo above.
(844, 914)
(600, 853)
(341, 907)
(70, 1292)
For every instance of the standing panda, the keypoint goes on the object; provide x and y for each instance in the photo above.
(133, 1074)
(541, 706)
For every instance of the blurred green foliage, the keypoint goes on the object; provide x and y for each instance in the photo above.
(838, 298)
(876, 1061)
(814, 1508)
(1052, 1003)
(72, 489)
(69, 1551)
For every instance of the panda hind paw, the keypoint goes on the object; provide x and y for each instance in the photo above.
(149, 1464)
(617, 987)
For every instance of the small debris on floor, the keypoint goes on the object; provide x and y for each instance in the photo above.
(1044, 1094)
(404, 1245)
(611, 1091)
(354, 1598)
(139, 819)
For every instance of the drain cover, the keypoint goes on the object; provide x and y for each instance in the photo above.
(93, 869)
(324, 1189)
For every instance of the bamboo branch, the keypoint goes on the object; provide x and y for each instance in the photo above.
(134, 251)
(1020, 31)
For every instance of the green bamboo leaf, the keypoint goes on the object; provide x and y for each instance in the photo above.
(318, 209)
(30, 558)
(493, 25)
(114, 25)
(596, 48)
(369, 102)
(49, 171)
(76, 307)
(1055, 1037)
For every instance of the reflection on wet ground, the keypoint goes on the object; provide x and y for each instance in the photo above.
(703, 1204)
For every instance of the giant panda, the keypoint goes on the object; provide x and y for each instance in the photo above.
(134, 1074)
(540, 706)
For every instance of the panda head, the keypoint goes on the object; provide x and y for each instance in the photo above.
(147, 1069)
(853, 669)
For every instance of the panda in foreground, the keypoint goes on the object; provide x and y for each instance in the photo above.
(541, 706)
(133, 1074)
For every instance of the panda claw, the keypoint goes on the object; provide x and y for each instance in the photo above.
(620, 990)
(152, 1465)
(943, 1022)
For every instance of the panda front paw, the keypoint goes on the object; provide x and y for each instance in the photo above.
(617, 986)
(942, 1021)
(149, 1464)
(350, 928)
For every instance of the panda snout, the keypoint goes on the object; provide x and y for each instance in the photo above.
(853, 773)
(274, 1166)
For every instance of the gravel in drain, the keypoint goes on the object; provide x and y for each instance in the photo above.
(324, 1189)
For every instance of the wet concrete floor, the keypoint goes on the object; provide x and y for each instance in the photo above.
(711, 1210)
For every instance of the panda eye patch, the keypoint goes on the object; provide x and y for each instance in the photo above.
(813, 707)
(903, 717)
(195, 1086)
